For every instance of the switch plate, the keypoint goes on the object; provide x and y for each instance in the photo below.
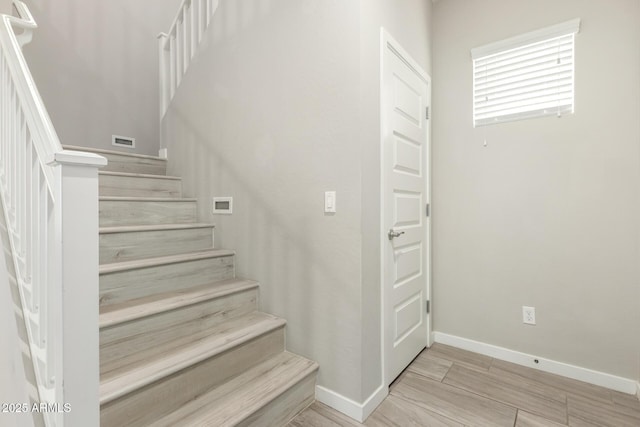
(330, 202)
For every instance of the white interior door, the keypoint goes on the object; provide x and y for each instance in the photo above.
(405, 161)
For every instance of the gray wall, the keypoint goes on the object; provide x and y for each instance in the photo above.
(5, 7)
(95, 64)
(268, 114)
(547, 214)
(281, 106)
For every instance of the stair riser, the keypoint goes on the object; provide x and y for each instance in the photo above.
(122, 163)
(115, 213)
(143, 406)
(281, 410)
(123, 344)
(118, 247)
(129, 186)
(131, 284)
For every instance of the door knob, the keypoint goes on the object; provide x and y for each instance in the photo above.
(393, 233)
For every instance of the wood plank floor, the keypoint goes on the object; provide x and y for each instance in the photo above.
(445, 386)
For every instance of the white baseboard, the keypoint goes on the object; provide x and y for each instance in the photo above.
(351, 408)
(602, 379)
(638, 391)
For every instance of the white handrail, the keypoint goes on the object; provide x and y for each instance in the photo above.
(179, 45)
(50, 200)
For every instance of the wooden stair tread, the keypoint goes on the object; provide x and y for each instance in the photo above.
(143, 307)
(114, 152)
(153, 227)
(138, 175)
(164, 260)
(145, 199)
(219, 339)
(239, 398)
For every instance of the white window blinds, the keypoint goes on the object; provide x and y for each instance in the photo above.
(526, 76)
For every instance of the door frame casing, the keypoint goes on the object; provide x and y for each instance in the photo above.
(388, 44)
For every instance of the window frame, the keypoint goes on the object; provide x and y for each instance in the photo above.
(522, 42)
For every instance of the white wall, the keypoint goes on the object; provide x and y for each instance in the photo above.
(282, 105)
(96, 66)
(547, 214)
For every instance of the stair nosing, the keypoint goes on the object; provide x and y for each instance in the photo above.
(171, 303)
(247, 411)
(139, 175)
(119, 153)
(137, 264)
(153, 227)
(311, 369)
(174, 363)
(145, 199)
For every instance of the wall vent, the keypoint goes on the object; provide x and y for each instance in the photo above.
(223, 205)
(123, 141)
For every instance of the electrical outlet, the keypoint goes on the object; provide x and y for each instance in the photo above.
(528, 315)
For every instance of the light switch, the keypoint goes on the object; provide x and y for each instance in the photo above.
(330, 201)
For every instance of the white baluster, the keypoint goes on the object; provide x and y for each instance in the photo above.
(186, 48)
(193, 26)
(28, 236)
(173, 79)
(22, 189)
(163, 61)
(42, 285)
(179, 49)
(201, 15)
(10, 176)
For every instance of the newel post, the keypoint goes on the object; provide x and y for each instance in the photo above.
(77, 356)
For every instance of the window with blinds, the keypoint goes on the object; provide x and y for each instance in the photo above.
(527, 76)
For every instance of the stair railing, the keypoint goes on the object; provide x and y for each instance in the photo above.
(50, 200)
(179, 45)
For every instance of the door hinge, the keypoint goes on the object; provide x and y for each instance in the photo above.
(427, 210)
(428, 306)
(427, 113)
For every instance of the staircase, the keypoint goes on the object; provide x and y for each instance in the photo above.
(182, 342)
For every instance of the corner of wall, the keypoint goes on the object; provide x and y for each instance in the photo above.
(358, 411)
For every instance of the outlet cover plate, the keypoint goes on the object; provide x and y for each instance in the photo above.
(528, 315)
